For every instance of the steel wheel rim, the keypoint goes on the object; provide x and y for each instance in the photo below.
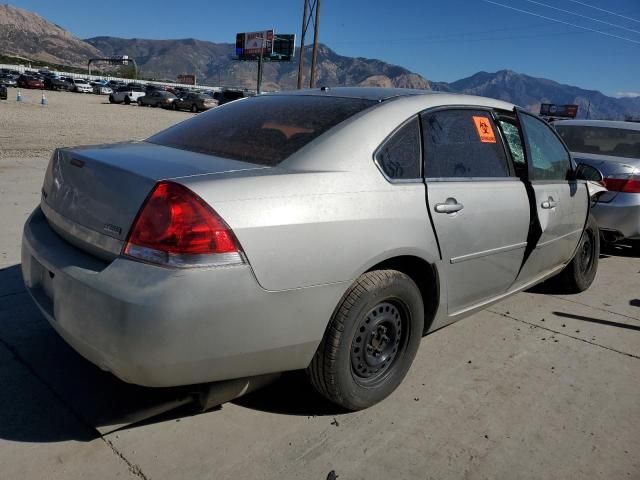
(379, 341)
(586, 251)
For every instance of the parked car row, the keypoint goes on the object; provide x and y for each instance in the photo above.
(178, 98)
(153, 95)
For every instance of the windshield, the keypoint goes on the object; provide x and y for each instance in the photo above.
(617, 142)
(262, 130)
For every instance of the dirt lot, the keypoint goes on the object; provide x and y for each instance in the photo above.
(537, 387)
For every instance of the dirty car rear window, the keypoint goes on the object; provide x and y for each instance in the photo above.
(262, 130)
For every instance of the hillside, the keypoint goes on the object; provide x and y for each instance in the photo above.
(213, 63)
(27, 35)
(530, 92)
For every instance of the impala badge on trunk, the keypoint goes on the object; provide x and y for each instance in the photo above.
(112, 228)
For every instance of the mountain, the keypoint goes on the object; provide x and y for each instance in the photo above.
(530, 92)
(213, 63)
(27, 35)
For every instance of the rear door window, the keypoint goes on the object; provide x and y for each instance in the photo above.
(263, 130)
(462, 143)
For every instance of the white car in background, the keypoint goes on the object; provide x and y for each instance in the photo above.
(127, 94)
(102, 89)
(81, 86)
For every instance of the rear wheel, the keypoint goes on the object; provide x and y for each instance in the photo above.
(194, 108)
(111, 100)
(370, 342)
(578, 275)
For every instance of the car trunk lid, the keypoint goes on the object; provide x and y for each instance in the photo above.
(615, 171)
(91, 195)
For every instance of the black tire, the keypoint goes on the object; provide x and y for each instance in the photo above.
(194, 108)
(370, 342)
(578, 275)
(111, 100)
(173, 106)
(127, 100)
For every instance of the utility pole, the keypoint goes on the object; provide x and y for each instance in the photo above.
(305, 14)
(311, 12)
(314, 54)
(260, 61)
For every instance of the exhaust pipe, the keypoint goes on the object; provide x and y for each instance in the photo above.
(213, 394)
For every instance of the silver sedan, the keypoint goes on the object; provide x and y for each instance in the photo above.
(613, 148)
(325, 230)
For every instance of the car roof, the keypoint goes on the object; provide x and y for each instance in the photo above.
(382, 94)
(365, 93)
(601, 123)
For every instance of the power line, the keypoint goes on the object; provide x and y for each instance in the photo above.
(453, 39)
(583, 16)
(605, 11)
(562, 21)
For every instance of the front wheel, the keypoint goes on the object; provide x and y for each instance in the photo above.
(370, 342)
(579, 274)
(127, 101)
(111, 100)
(194, 108)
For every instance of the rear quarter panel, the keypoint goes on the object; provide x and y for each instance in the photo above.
(326, 214)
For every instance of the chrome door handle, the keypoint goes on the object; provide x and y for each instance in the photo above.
(549, 203)
(450, 205)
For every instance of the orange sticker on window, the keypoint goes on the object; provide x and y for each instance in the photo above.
(484, 129)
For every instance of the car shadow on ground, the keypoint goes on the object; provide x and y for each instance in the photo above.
(41, 376)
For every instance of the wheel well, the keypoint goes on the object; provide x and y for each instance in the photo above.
(424, 275)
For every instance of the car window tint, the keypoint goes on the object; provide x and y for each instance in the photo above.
(617, 142)
(549, 158)
(263, 130)
(512, 138)
(462, 144)
(400, 156)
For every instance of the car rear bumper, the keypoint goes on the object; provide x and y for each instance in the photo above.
(157, 327)
(621, 215)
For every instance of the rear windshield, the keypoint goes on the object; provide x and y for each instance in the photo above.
(617, 142)
(262, 130)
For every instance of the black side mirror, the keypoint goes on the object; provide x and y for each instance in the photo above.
(587, 172)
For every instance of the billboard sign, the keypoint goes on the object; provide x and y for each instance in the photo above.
(553, 110)
(187, 79)
(249, 45)
(284, 47)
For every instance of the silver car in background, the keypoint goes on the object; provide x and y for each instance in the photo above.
(325, 230)
(612, 148)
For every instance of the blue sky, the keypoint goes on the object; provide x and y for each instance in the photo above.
(443, 40)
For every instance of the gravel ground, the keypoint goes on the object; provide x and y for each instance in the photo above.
(30, 130)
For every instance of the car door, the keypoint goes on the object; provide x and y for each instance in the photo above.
(477, 205)
(561, 203)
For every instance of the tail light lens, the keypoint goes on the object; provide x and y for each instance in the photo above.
(623, 183)
(176, 228)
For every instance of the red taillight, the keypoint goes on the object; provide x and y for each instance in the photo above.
(627, 184)
(176, 227)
